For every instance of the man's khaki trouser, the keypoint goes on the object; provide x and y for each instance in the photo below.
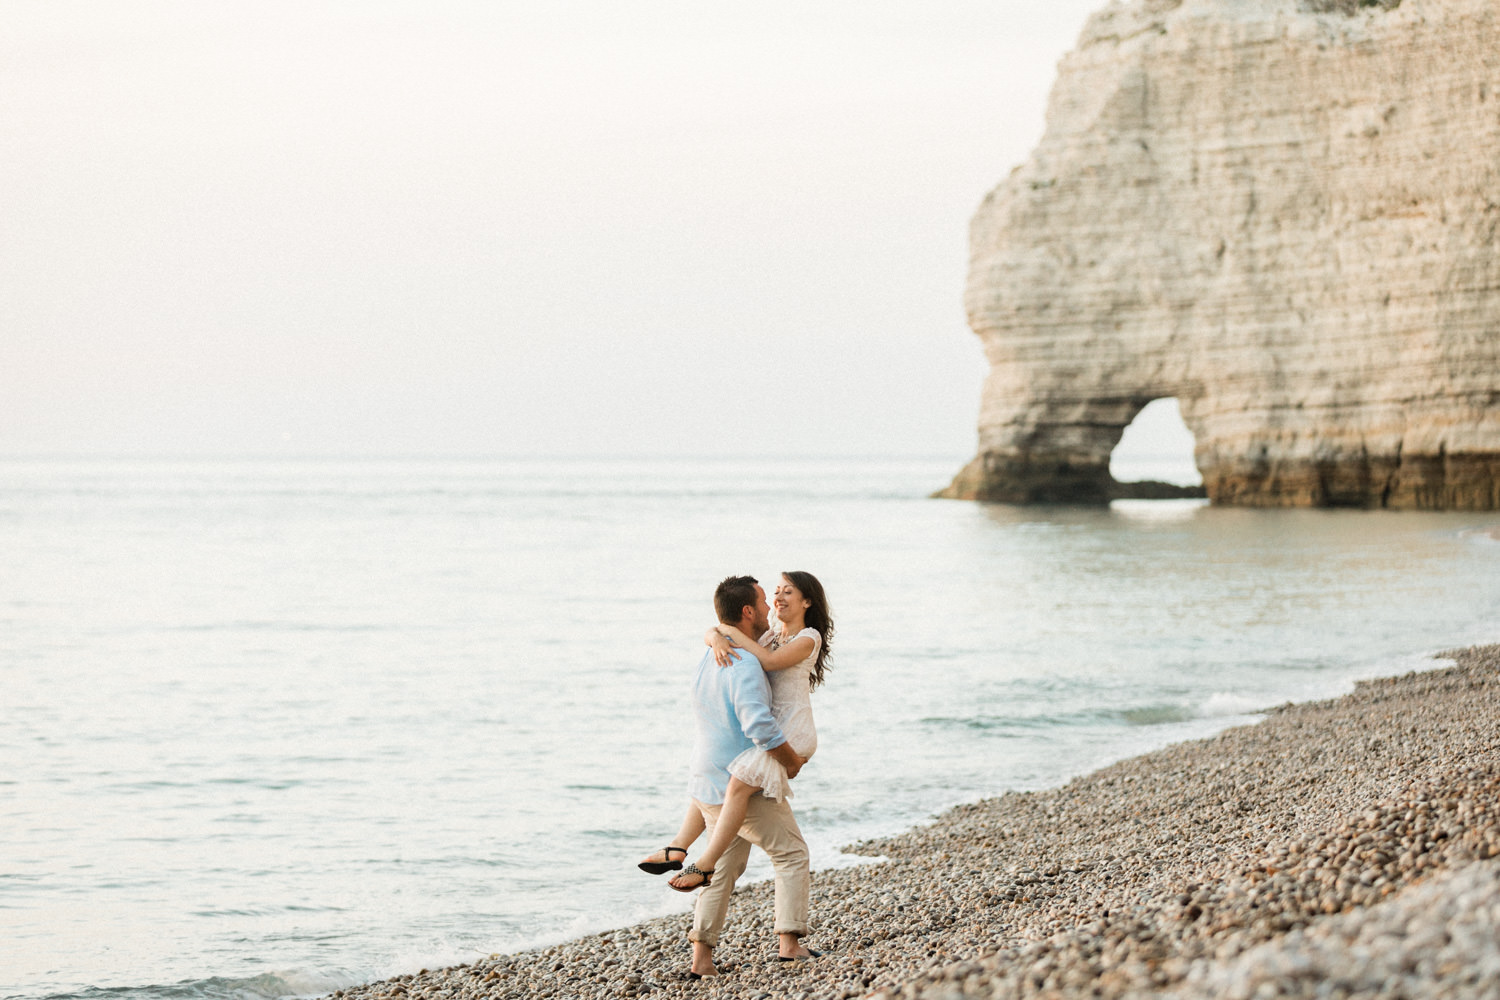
(769, 825)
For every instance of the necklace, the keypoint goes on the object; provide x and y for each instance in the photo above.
(779, 638)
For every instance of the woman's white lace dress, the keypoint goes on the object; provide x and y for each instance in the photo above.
(791, 705)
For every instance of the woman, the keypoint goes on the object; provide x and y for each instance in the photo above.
(795, 656)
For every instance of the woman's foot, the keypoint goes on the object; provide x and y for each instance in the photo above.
(661, 862)
(692, 877)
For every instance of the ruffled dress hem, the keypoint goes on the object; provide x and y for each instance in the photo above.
(757, 768)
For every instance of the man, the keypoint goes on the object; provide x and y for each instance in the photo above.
(733, 709)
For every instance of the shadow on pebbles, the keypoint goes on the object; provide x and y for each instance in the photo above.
(1335, 849)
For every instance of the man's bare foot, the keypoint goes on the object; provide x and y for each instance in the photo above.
(791, 948)
(703, 962)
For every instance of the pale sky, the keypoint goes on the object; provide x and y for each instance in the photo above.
(443, 228)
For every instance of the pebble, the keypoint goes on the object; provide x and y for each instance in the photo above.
(1336, 848)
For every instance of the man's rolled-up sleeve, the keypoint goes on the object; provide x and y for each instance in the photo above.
(752, 704)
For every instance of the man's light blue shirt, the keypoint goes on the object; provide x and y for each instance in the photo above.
(733, 707)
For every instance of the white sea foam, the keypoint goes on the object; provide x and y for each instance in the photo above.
(1481, 536)
(1226, 704)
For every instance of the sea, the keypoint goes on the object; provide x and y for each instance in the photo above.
(272, 728)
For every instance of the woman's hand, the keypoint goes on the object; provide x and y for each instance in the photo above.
(722, 646)
(737, 639)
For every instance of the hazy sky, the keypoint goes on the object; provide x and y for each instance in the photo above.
(502, 228)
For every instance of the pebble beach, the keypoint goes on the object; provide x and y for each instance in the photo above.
(1340, 848)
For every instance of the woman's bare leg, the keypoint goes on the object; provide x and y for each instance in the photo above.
(691, 829)
(731, 818)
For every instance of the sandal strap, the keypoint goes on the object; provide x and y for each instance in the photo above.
(692, 869)
(679, 850)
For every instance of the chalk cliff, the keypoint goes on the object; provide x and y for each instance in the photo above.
(1284, 214)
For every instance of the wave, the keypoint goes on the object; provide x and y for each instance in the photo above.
(1215, 706)
(1481, 536)
(266, 986)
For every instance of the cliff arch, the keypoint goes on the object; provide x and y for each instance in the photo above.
(1156, 445)
(1064, 459)
(1285, 217)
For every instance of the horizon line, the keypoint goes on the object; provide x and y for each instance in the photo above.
(465, 457)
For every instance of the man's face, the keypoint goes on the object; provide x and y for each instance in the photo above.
(762, 612)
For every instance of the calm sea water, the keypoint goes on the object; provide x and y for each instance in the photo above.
(275, 728)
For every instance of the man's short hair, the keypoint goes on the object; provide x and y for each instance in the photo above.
(732, 596)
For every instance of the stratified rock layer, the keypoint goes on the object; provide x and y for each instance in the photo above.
(1285, 218)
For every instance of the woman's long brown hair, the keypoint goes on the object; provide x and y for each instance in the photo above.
(818, 616)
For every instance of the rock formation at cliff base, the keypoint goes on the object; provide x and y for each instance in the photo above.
(1286, 214)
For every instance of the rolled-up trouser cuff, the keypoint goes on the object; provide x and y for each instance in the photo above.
(770, 824)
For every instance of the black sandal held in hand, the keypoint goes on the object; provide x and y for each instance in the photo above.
(692, 869)
(662, 867)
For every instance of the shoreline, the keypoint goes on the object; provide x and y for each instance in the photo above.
(1201, 868)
